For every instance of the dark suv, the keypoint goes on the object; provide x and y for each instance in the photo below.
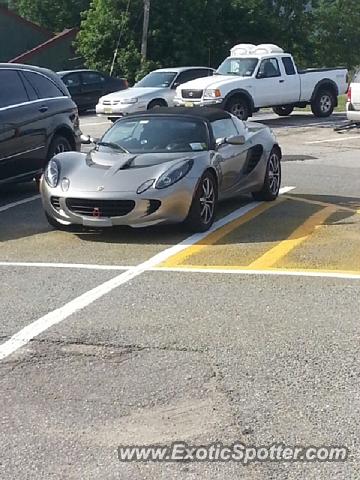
(38, 119)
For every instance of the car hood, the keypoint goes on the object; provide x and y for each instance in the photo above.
(134, 92)
(105, 172)
(215, 81)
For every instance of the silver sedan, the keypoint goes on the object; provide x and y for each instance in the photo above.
(169, 165)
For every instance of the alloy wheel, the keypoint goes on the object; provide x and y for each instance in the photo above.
(274, 173)
(325, 103)
(207, 201)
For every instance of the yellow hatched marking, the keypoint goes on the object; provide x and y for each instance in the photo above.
(321, 204)
(214, 237)
(271, 257)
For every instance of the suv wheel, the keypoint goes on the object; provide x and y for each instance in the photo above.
(58, 145)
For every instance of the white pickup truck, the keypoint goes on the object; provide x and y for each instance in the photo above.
(255, 77)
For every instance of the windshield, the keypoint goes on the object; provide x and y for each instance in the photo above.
(158, 134)
(157, 79)
(244, 67)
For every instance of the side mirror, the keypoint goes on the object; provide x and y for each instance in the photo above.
(236, 140)
(87, 140)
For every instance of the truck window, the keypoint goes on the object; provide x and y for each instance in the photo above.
(269, 68)
(288, 65)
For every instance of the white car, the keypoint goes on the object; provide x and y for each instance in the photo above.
(353, 101)
(157, 89)
(255, 77)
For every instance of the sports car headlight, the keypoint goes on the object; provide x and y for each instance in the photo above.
(129, 101)
(212, 93)
(52, 173)
(174, 174)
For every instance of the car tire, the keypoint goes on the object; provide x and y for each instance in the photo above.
(203, 208)
(272, 182)
(58, 145)
(323, 104)
(239, 107)
(284, 110)
(156, 104)
(58, 225)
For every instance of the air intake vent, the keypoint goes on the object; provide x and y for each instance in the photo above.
(100, 208)
(253, 158)
(55, 202)
(153, 206)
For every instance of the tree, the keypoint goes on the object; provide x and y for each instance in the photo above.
(55, 15)
(336, 38)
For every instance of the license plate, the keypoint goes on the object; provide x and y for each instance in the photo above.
(189, 104)
(108, 110)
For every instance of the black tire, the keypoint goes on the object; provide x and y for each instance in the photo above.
(58, 145)
(323, 104)
(284, 110)
(57, 225)
(198, 219)
(272, 181)
(113, 120)
(239, 107)
(157, 104)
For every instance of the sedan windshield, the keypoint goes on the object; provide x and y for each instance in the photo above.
(158, 134)
(157, 79)
(244, 67)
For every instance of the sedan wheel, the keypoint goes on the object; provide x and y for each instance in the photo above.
(272, 181)
(203, 208)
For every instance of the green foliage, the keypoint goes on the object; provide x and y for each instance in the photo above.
(55, 15)
(201, 32)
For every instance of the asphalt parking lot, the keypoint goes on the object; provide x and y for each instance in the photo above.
(128, 337)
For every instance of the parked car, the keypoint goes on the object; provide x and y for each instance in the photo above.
(157, 89)
(264, 76)
(38, 120)
(87, 86)
(353, 100)
(167, 165)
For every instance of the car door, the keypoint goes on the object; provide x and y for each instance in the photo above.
(231, 158)
(73, 83)
(92, 88)
(20, 143)
(269, 84)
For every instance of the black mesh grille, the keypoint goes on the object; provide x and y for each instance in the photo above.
(100, 208)
(253, 158)
(191, 93)
(153, 206)
(55, 202)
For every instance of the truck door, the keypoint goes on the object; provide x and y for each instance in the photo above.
(291, 84)
(269, 86)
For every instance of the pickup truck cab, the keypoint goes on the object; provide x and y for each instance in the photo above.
(255, 77)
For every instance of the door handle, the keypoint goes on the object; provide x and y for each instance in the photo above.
(43, 109)
(281, 81)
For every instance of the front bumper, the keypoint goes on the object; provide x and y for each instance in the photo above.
(119, 110)
(153, 207)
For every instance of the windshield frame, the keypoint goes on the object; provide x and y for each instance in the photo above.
(138, 118)
(256, 59)
(156, 72)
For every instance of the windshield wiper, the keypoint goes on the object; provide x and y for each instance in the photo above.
(114, 146)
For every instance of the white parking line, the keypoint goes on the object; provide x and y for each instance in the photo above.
(93, 124)
(80, 266)
(341, 139)
(31, 331)
(19, 202)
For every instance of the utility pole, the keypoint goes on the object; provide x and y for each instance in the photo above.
(145, 29)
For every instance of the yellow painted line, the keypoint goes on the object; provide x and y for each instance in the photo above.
(298, 236)
(321, 204)
(214, 237)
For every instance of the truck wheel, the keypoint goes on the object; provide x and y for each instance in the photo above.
(239, 107)
(284, 110)
(323, 104)
(272, 181)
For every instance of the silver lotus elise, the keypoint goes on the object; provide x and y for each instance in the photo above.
(169, 165)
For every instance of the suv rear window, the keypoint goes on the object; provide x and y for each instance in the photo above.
(43, 86)
(12, 91)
